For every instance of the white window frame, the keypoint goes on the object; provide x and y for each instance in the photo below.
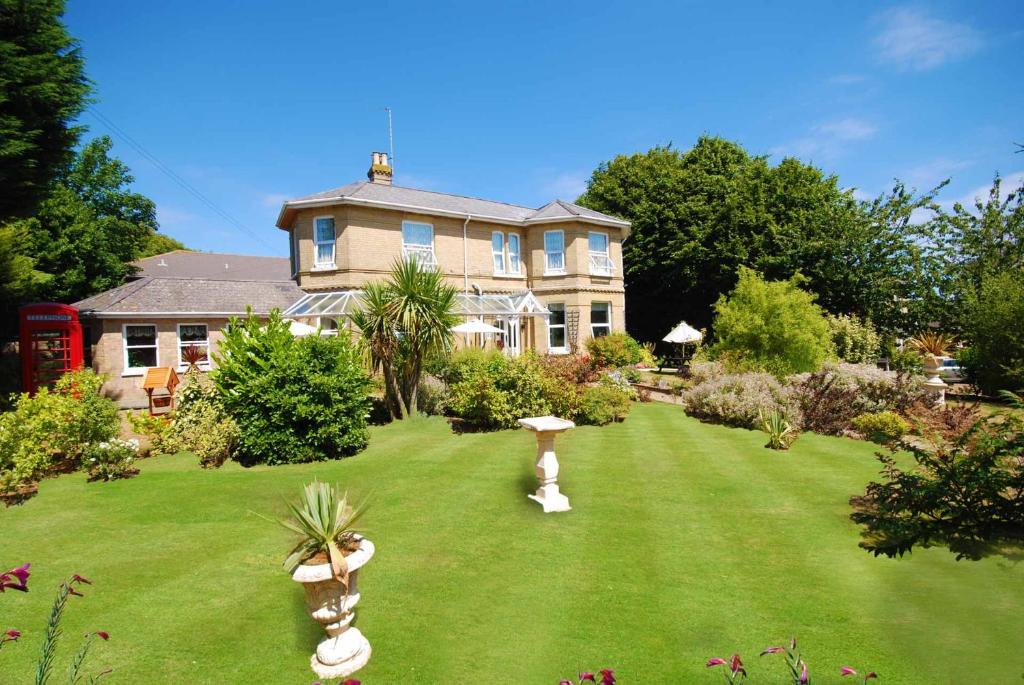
(138, 370)
(518, 270)
(498, 258)
(181, 363)
(564, 348)
(607, 326)
(600, 262)
(317, 264)
(548, 270)
(422, 253)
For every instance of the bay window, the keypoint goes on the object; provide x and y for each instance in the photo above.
(554, 252)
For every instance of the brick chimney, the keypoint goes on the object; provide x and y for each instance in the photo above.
(380, 170)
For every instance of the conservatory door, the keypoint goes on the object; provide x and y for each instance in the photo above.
(510, 332)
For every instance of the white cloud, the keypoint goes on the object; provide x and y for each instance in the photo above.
(928, 175)
(1010, 183)
(829, 139)
(567, 185)
(912, 40)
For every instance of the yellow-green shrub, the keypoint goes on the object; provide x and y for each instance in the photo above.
(882, 427)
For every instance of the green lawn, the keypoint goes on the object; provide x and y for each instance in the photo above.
(686, 541)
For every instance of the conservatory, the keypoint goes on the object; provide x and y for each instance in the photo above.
(510, 312)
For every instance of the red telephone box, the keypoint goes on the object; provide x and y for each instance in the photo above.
(50, 343)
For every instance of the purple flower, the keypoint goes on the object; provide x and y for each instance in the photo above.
(846, 670)
(717, 661)
(804, 677)
(772, 650)
(587, 675)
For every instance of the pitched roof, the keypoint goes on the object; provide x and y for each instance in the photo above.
(214, 266)
(190, 297)
(429, 202)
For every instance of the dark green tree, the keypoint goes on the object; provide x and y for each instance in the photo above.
(159, 243)
(43, 88)
(90, 228)
(701, 214)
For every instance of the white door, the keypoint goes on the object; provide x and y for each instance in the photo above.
(510, 333)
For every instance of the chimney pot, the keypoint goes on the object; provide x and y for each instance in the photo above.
(380, 169)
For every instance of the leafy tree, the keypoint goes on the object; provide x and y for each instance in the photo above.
(159, 243)
(405, 321)
(43, 88)
(90, 228)
(855, 340)
(993, 320)
(699, 215)
(771, 325)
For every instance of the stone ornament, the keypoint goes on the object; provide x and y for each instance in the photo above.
(346, 649)
(546, 428)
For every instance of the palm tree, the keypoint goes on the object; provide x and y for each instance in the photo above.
(405, 321)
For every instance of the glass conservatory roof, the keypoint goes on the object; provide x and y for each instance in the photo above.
(341, 304)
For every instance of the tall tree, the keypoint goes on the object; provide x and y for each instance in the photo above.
(701, 214)
(43, 88)
(91, 227)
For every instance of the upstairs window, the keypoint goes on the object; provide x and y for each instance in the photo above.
(324, 237)
(498, 251)
(600, 259)
(556, 327)
(600, 319)
(418, 243)
(554, 252)
(293, 251)
(514, 264)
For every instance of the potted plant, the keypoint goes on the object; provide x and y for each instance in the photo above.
(932, 347)
(326, 561)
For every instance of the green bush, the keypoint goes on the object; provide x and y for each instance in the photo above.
(994, 323)
(294, 400)
(111, 460)
(52, 430)
(500, 390)
(741, 400)
(772, 326)
(603, 404)
(200, 424)
(881, 427)
(615, 350)
(855, 340)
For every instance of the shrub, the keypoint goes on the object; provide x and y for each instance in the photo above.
(570, 368)
(615, 350)
(499, 391)
(294, 400)
(111, 460)
(855, 339)
(772, 326)
(740, 399)
(829, 399)
(882, 427)
(51, 430)
(602, 404)
(432, 398)
(995, 325)
(156, 428)
(904, 360)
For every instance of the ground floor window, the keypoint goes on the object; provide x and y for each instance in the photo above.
(140, 351)
(194, 335)
(556, 327)
(600, 319)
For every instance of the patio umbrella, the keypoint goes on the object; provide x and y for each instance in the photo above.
(683, 333)
(301, 330)
(475, 326)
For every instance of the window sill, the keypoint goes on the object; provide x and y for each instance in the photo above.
(129, 373)
(602, 274)
(324, 267)
(558, 350)
(554, 273)
(518, 277)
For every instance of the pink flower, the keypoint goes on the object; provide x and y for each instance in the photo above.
(11, 635)
(717, 661)
(846, 670)
(565, 681)
(351, 681)
(736, 665)
(15, 579)
(607, 676)
(772, 650)
(804, 677)
(587, 675)
(104, 635)
(79, 579)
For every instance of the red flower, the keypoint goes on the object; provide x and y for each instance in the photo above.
(846, 670)
(351, 681)
(103, 634)
(11, 635)
(607, 676)
(73, 591)
(717, 661)
(79, 579)
(736, 665)
(772, 650)
(587, 675)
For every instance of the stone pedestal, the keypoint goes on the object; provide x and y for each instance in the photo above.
(933, 381)
(546, 428)
(345, 650)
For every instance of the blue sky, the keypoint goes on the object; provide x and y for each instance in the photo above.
(254, 102)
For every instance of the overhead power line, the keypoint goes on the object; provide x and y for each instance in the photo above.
(170, 173)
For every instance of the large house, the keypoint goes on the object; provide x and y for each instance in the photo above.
(549, 278)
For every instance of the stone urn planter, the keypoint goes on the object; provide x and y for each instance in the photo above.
(933, 381)
(345, 650)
